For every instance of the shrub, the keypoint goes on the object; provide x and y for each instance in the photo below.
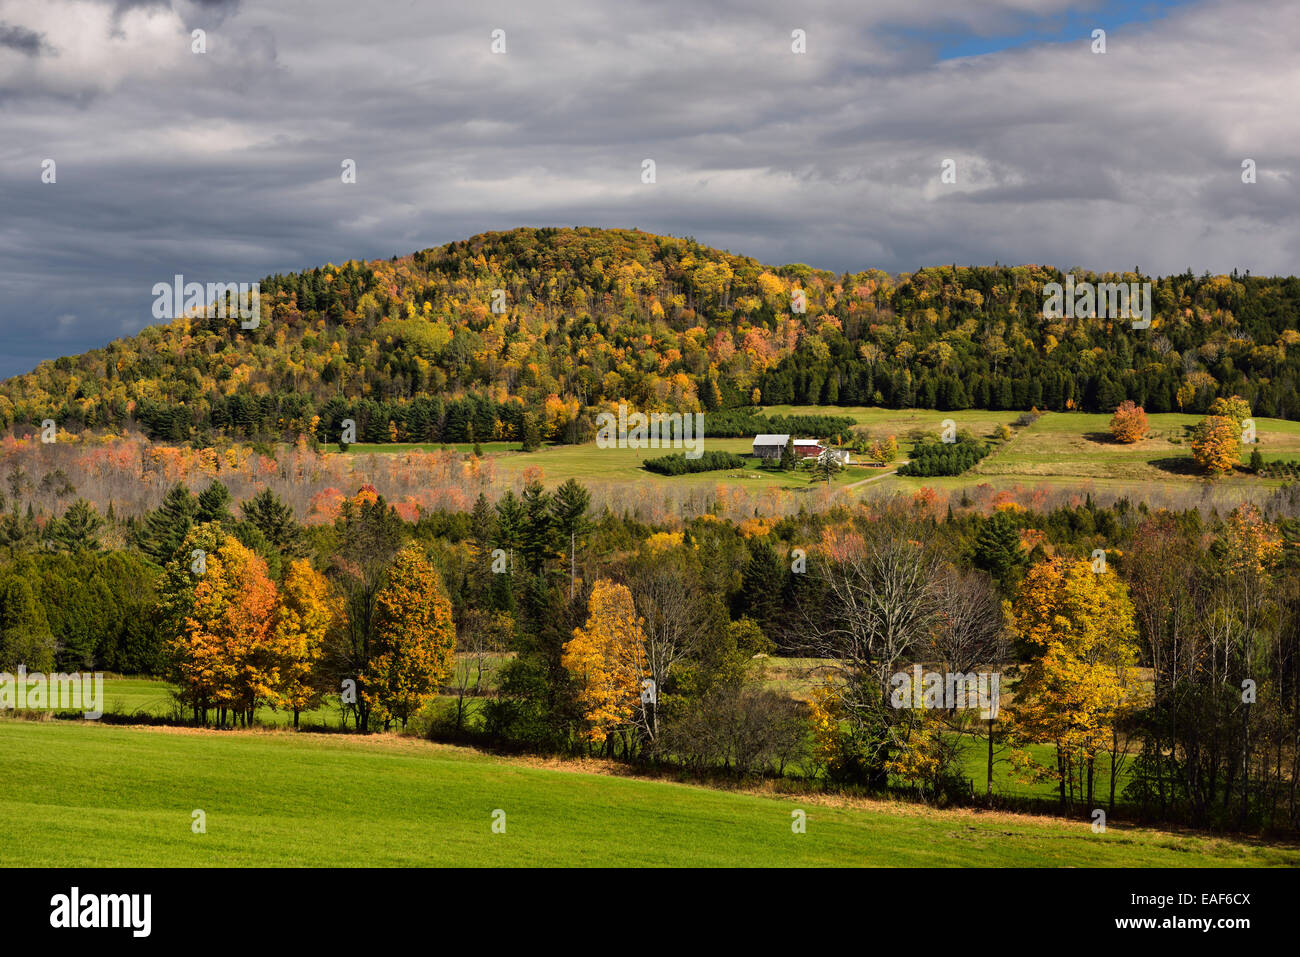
(679, 464)
(930, 457)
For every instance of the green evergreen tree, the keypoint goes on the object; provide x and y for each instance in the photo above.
(997, 548)
(78, 529)
(787, 456)
(570, 509)
(25, 637)
(214, 505)
(163, 530)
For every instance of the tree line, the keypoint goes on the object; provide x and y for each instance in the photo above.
(1151, 654)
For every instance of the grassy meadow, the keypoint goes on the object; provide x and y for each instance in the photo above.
(147, 699)
(1060, 449)
(83, 794)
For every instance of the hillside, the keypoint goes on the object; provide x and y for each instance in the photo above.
(412, 350)
(320, 800)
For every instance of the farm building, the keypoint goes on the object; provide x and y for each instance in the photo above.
(807, 449)
(770, 446)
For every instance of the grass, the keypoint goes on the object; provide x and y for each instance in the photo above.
(152, 697)
(796, 677)
(80, 794)
(1060, 449)
(587, 462)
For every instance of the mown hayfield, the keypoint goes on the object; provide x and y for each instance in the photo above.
(80, 794)
(1061, 450)
(588, 462)
(1078, 444)
(147, 698)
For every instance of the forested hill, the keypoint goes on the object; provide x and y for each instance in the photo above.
(411, 348)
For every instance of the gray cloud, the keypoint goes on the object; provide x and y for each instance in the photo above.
(23, 40)
(225, 165)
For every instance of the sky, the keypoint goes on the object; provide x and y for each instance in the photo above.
(227, 165)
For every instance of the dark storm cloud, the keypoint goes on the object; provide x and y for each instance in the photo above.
(225, 165)
(23, 40)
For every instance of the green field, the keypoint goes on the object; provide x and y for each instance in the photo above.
(80, 794)
(588, 462)
(148, 698)
(1061, 449)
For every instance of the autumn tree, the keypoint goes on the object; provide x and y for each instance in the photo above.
(1129, 423)
(368, 534)
(970, 632)
(219, 605)
(673, 610)
(1231, 407)
(414, 639)
(1216, 444)
(304, 617)
(870, 604)
(1079, 626)
(607, 661)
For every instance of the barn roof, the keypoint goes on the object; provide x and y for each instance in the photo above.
(773, 439)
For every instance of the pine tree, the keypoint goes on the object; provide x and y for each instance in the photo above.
(570, 509)
(538, 528)
(787, 456)
(25, 637)
(274, 519)
(78, 528)
(997, 548)
(164, 529)
(214, 505)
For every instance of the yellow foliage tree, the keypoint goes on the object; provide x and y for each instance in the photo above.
(412, 651)
(1080, 625)
(1216, 444)
(306, 610)
(607, 661)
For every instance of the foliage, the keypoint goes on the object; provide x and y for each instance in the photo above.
(679, 464)
(1216, 444)
(607, 660)
(932, 457)
(1129, 423)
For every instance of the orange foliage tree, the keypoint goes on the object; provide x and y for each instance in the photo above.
(1216, 444)
(219, 605)
(1129, 423)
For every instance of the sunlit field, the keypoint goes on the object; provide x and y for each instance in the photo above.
(88, 795)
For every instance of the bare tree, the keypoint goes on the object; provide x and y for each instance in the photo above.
(970, 631)
(483, 637)
(672, 608)
(873, 602)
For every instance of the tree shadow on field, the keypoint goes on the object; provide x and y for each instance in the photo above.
(1102, 438)
(1177, 465)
